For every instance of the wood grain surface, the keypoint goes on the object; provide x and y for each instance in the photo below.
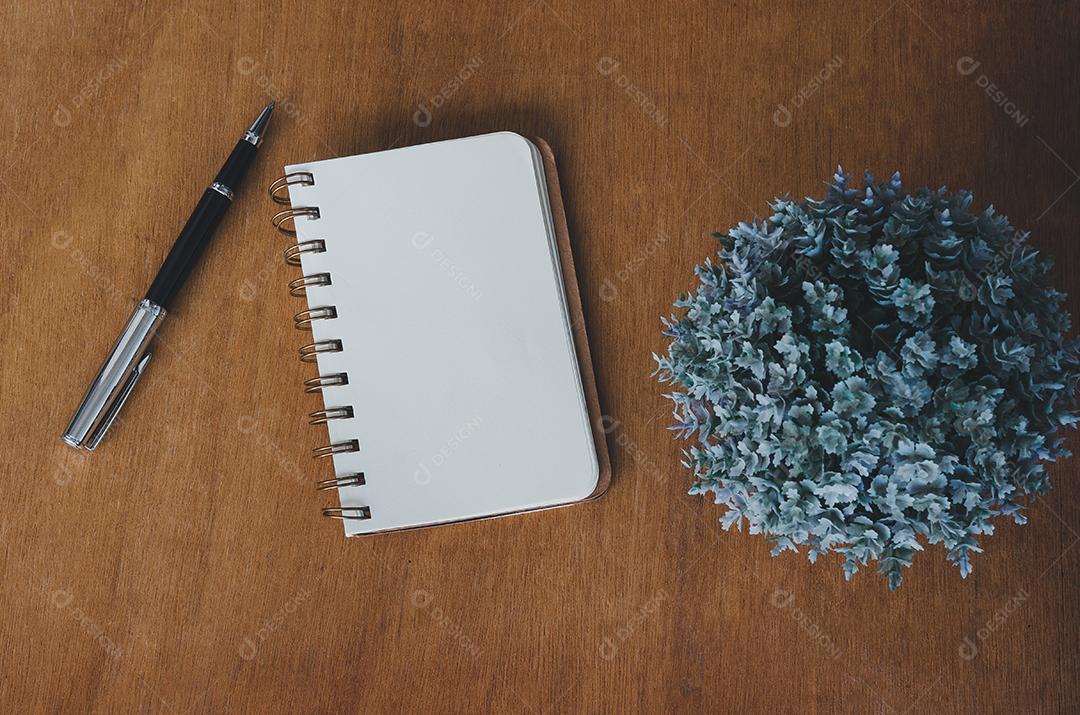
(183, 567)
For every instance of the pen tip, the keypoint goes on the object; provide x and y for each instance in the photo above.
(258, 127)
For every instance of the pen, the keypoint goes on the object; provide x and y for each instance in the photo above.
(129, 357)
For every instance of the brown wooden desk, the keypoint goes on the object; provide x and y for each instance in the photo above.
(184, 567)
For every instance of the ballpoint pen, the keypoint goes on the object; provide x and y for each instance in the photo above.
(129, 357)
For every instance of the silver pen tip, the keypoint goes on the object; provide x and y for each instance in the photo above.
(258, 127)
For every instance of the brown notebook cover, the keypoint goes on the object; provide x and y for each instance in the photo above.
(577, 316)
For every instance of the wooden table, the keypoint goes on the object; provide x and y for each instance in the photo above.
(184, 566)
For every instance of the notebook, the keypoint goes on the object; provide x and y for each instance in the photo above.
(447, 333)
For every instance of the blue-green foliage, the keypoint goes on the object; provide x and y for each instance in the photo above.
(871, 372)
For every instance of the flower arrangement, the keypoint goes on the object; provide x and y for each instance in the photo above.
(871, 372)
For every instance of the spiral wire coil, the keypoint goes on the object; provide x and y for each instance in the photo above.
(284, 222)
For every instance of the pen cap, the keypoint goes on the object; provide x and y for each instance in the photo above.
(116, 378)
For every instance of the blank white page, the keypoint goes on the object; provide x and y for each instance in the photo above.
(463, 378)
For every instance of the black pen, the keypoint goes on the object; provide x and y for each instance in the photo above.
(128, 359)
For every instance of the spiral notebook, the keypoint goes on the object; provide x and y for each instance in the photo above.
(447, 331)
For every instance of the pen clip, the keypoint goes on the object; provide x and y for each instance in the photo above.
(114, 409)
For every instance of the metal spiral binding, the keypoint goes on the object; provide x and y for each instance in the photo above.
(316, 384)
(329, 450)
(311, 351)
(305, 318)
(297, 178)
(285, 222)
(319, 417)
(293, 252)
(356, 479)
(346, 513)
(298, 288)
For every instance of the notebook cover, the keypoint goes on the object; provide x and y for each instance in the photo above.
(581, 347)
